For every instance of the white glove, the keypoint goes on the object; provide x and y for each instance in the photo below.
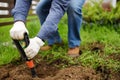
(34, 47)
(18, 30)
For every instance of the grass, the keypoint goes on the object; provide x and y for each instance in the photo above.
(107, 35)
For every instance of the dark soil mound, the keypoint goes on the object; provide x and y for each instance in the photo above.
(50, 72)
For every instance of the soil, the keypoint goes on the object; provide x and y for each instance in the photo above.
(45, 71)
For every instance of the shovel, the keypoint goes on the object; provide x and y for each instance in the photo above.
(29, 62)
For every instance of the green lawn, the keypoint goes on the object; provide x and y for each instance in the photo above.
(107, 36)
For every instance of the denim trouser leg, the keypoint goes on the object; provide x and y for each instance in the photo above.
(42, 11)
(49, 27)
(74, 22)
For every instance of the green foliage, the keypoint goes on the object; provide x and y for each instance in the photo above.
(8, 54)
(96, 13)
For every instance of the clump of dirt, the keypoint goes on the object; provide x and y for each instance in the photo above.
(96, 46)
(47, 71)
(108, 74)
(76, 73)
(114, 56)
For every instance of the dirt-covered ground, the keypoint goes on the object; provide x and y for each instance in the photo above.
(51, 72)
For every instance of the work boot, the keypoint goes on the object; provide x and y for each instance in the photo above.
(73, 52)
(48, 47)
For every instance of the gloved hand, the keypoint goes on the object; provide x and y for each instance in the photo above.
(34, 47)
(18, 30)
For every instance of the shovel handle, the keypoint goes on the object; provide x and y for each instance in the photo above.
(20, 48)
(29, 62)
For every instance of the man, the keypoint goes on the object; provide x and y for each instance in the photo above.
(74, 22)
(20, 12)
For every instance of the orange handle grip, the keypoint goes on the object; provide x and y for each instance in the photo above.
(30, 64)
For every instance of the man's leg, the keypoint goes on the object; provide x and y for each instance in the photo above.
(74, 22)
(42, 11)
(56, 12)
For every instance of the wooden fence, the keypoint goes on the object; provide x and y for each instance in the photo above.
(5, 11)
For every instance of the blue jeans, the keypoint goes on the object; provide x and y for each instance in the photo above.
(74, 21)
